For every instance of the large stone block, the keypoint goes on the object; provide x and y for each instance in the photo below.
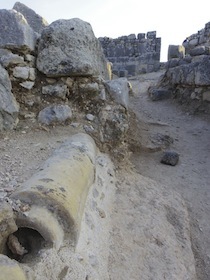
(70, 48)
(119, 90)
(176, 51)
(202, 72)
(200, 50)
(36, 22)
(55, 114)
(15, 33)
(8, 59)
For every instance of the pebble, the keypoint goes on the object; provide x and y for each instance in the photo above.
(90, 117)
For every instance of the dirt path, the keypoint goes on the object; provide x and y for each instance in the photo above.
(191, 177)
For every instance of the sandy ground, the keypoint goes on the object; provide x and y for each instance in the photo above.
(136, 227)
(191, 177)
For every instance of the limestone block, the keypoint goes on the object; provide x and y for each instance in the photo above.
(36, 22)
(55, 114)
(32, 74)
(151, 35)
(56, 90)
(15, 33)
(70, 48)
(7, 59)
(119, 90)
(21, 72)
(10, 270)
(30, 58)
(114, 124)
(56, 194)
(206, 96)
(9, 108)
(88, 88)
(202, 71)
(193, 42)
(199, 50)
(141, 36)
(176, 51)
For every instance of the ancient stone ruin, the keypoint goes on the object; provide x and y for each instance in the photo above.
(48, 69)
(131, 56)
(59, 73)
(187, 75)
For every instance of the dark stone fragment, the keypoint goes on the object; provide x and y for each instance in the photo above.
(170, 158)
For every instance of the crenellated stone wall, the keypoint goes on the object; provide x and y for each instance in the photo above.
(131, 55)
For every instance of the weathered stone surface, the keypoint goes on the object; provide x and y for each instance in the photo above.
(15, 33)
(193, 43)
(119, 90)
(113, 124)
(173, 62)
(206, 96)
(36, 22)
(176, 51)
(7, 58)
(21, 72)
(32, 74)
(70, 48)
(9, 108)
(56, 90)
(195, 73)
(202, 72)
(88, 88)
(55, 114)
(200, 50)
(30, 58)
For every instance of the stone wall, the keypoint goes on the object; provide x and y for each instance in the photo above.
(131, 56)
(201, 38)
(57, 75)
(187, 76)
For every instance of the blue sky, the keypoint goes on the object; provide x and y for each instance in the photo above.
(172, 20)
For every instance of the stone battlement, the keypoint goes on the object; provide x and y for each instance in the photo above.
(131, 55)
